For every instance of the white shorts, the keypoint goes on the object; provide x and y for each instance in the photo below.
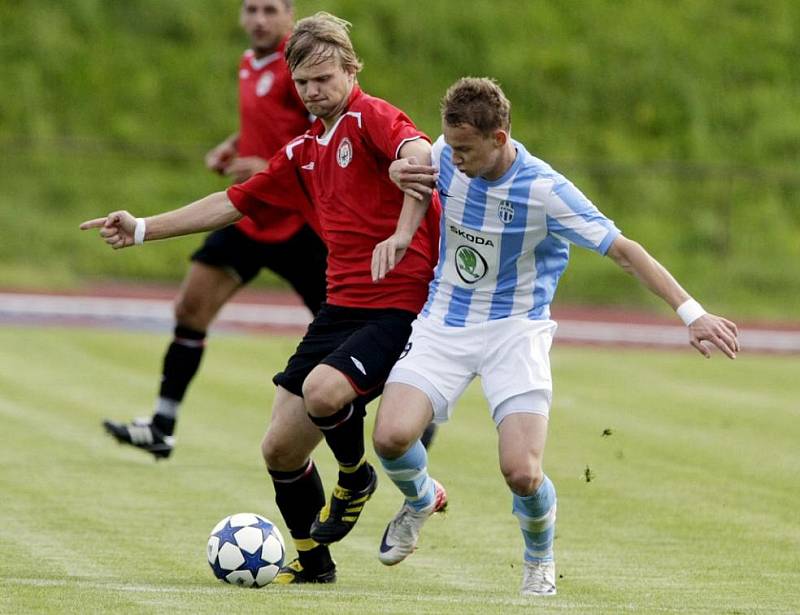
(511, 356)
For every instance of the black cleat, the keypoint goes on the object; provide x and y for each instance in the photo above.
(141, 435)
(336, 519)
(293, 572)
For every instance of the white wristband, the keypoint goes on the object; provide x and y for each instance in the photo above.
(138, 233)
(689, 311)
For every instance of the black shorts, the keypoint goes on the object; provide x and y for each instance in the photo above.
(300, 260)
(361, 343)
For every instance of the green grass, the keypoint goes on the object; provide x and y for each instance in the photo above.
(692, 507)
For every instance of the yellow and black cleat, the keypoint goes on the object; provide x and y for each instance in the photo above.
(293, 572)
(338, 517)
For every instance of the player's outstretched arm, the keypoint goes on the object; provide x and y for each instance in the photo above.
(121, 229)
(704, 328)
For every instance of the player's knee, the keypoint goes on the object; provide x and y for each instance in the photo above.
(319, 397)
(280, 455)
(190, 313)
(523, 480)
(390, 443)
(268, 450)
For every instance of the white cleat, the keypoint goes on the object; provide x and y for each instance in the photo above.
(539, 579)
(401, 535)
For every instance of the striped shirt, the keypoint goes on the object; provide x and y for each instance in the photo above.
(505, 243)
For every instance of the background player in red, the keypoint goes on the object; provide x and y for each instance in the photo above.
(337, 175)
(270, 113)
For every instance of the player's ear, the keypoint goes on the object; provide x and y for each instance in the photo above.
(500, 138)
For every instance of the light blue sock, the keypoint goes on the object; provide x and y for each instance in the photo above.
(410, 473)
(537, 520)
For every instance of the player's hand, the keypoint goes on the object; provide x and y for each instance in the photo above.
(387, 254)
(219, 158)
(116, 228)
(244, 167)
(711, 329)
(414, 179)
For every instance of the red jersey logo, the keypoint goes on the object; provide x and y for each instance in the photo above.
(264, 84)
(345, 153)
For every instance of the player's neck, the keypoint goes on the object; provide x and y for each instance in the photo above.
(262, 52)
(504, 162)
(259, 53)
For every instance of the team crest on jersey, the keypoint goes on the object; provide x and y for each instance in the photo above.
(244, 73)
(345, 153)
(264, 84)
(505, 211)
(470, 265)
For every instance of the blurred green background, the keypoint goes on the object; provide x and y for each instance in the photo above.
(678, 118)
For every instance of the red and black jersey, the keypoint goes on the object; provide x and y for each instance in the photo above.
(270, 115)
(339, 180)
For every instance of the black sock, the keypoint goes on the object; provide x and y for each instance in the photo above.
(317, 559)
(181, 362)
(344, 433)
(300, 496)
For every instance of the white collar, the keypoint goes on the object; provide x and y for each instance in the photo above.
(259, 63)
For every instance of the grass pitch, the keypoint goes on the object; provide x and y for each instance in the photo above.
(688, 504)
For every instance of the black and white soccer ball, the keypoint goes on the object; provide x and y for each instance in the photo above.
(246, 550)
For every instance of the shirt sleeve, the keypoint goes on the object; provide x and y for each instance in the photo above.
(573, 217)
(387, 128)
(277, 186)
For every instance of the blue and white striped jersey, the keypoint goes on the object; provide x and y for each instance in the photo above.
(505, 243)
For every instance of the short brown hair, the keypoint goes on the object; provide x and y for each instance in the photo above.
(479, 102)
(324, 35)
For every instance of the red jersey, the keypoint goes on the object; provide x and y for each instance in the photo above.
(339, 180)
(270, 114)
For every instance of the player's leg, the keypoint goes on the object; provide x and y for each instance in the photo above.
(288, 444)
(204, 290)
(515, 376)
(325, 334)
(333, 406)
(335, 393)
(402, 417)
(522, 437)
(438, 364)
(224, 263)
(286, 448)
(329, 390)
(404, 413)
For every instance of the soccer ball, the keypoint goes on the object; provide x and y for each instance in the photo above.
(246, 550)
